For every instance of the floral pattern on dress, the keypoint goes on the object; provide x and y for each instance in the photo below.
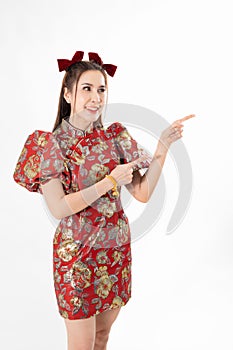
(91, 248)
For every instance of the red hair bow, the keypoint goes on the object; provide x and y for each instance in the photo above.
(63, 64)
(110, 68)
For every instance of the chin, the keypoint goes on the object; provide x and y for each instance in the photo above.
(93, 118)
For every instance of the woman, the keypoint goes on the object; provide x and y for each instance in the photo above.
(79, 168)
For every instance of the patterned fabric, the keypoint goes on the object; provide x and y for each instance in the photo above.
(91, 249)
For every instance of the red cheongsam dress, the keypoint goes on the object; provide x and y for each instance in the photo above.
(91, 248)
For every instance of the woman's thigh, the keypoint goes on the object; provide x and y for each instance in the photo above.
(81, 333)
(105, 320)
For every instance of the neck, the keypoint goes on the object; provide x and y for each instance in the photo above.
(79, 124)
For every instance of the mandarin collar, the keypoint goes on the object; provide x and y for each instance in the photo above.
(68, 127)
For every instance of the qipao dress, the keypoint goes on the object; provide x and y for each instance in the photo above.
(91, 248)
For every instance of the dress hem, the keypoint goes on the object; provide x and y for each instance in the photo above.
(85, 318)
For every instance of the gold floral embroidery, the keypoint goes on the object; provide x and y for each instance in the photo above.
(129, 289)
(42, 141)
(102, 257)
(61, 300)
(99, 148)
(80, 275)
(104, 286)
(31, 168)
(77, 158)
(104, 283)
(124, 139)
(106, 207)
(67, 234)
(56, 235)
(117, 301)
(76, 301)
(117, 256)
(22, 154)
(57, 277)
(123, 234)
(67, 250)
(125, 273)
(67, 277)
(97, 172)
(64, 314)
(102, 270)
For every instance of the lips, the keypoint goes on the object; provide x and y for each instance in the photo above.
(92, 108)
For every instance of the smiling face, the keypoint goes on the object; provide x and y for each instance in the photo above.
(91, 97)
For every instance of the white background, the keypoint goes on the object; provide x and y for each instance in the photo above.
(173, 57)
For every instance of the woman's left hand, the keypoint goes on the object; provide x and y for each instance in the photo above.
(174, 131)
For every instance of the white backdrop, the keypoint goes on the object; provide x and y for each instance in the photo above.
(175, 58)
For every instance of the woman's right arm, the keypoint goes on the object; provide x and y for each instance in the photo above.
(62, 205)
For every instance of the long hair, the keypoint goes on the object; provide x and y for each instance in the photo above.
(71, 77)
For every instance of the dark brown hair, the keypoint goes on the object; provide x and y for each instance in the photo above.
(71, 77)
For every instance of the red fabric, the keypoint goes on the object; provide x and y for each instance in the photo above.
(91, 249)
(40, 160)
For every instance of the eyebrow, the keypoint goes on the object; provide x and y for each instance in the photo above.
(92, 84)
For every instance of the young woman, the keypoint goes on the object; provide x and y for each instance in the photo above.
(79, 168)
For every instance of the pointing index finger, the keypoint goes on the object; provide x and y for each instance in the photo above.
(187, 117)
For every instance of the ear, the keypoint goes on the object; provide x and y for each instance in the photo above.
(67, 95)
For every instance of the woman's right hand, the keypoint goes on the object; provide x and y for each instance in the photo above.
(123, 173)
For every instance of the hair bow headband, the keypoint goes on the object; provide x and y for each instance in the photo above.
(63, 64)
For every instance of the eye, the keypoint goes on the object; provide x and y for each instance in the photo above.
(102, 90)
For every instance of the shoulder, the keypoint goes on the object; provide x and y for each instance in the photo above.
(35, 146)
(40, 137)
(39, 157)
(39, 141)
(116, 128)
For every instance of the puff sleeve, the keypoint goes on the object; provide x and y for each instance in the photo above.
(40, 160)
(129, 149)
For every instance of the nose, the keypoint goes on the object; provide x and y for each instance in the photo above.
(95, 96)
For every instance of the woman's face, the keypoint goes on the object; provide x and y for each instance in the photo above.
(91, 96)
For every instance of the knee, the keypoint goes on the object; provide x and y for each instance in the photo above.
(79, 344)
(101, 338)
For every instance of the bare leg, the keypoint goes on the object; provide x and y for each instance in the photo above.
(81, 333)
(104, 322)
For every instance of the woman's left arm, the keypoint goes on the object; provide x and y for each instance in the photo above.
(142, 186)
